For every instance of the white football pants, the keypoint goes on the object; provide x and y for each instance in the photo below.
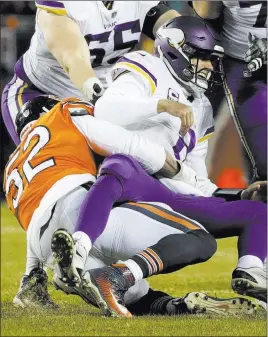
(127, 232)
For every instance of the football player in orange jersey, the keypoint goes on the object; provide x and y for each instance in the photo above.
(46, 182)
(56, 156)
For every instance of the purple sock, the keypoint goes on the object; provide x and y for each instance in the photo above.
(96, 208)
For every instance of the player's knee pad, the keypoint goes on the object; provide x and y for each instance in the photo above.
(120, 166)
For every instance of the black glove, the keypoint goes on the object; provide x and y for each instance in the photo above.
(98, 91)
(256, 191)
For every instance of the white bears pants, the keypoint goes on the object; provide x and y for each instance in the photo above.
(128, 231)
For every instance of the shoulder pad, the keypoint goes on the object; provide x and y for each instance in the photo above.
(77, 10)
(78, 108)
(139, 62)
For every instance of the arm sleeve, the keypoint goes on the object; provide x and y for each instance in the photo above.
(127, 100)
(107, 139)
(152, 16)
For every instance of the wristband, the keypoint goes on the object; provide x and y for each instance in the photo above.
(229, 194)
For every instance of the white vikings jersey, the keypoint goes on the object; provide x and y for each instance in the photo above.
(151, 75)
(109, 33)
(240, 18)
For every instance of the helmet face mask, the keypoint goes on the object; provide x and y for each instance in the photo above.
(184, 39)
(206, 78)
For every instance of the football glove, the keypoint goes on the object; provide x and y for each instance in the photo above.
(189, 176)
(256, 55)
(256, 191)
(92, 89)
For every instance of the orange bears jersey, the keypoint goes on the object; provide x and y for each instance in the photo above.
(52, 159)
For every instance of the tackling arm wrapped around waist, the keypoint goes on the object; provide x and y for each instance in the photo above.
(107, 139)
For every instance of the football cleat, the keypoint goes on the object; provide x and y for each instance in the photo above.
(250, 282)
(33, 291)
(107, 286)
(69, 257)
(70, 288)
(263, 305)
(200, 303)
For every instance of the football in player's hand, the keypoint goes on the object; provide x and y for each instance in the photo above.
(256, 191)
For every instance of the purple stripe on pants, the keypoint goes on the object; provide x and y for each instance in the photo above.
(6, 113)
(20, 72)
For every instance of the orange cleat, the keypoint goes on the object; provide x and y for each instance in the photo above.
(107, 286)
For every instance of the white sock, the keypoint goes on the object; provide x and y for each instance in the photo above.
(249, 261)
(83, 239)
(135, 269)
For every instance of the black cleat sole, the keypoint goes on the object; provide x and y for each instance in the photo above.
(248, 288)
(63, 250)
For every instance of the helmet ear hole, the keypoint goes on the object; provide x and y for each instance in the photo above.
(26, 113)
(172, 56)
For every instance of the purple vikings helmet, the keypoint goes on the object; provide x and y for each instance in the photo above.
(184, 38)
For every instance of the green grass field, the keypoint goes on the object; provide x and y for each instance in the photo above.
(76, 318)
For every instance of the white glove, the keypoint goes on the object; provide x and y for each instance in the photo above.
(189, 176)
(186, 174)
(256, 55)
(92, 89)
(181, 187)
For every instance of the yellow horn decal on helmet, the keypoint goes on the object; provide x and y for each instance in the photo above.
(181, 43)
(178, 44)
